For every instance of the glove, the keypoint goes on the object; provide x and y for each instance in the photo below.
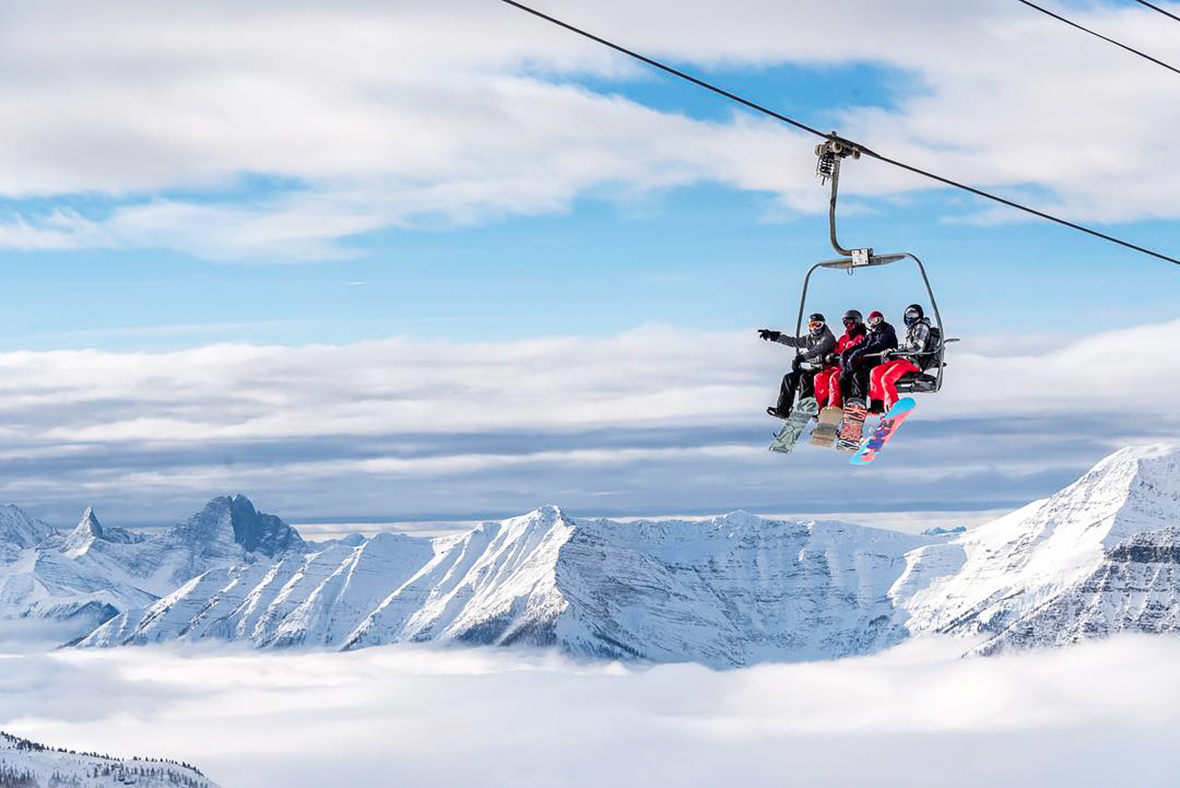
(767, 334)
(886, 355)
(830, 360)
(796, 362)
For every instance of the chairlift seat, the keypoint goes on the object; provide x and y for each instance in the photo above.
(917, 383)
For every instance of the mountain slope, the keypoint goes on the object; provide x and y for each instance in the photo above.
(26, 763)
(1019, 573)
(19, 532)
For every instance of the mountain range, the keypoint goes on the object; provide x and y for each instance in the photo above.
(85, 576)
(1098, 557)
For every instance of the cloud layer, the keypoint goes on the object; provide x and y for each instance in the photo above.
(268, 132)
(650, 421)
(1097, 714)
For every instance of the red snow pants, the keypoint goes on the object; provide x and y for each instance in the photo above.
(883, 380)
(827, 387)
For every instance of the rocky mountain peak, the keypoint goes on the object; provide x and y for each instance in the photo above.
(234, 519)
(84, 534)
(1135, 489)
(89, 524)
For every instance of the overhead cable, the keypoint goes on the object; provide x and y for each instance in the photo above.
(1157, 8)
(1119, 44)
(812, 130)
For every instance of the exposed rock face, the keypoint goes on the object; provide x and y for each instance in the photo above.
(1135, 588)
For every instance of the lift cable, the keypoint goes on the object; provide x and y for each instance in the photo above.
(1157, 8)
(1071, 23)
(836, 138)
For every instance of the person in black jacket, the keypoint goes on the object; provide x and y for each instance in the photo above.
(857, 362)
(817, 343)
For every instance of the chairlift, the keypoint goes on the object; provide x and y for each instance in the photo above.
(831, 153)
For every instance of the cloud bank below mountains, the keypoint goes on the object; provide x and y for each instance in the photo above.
(651, 421)
(918, 716)
(261, 132)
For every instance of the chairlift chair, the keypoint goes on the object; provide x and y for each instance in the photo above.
(830, 153)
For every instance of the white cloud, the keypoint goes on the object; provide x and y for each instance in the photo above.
(652, 420)
(394, 115)
(1092, 715)
(645, 377)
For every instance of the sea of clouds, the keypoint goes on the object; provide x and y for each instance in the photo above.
(1098, 714)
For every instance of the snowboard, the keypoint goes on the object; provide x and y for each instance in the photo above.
(784, 442)
(824, 433)
(872, 445)
(852, 425)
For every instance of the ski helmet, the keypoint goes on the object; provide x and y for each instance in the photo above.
(854, 316)
(913, 313)
(816, 317)
(815, 323)
(876, 314)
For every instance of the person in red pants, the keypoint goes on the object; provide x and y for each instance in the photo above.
(914, 352)
(827, 380)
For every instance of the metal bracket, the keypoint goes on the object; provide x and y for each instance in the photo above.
(861, 257)
(830, 154)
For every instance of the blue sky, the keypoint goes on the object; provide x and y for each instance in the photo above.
(306, 184)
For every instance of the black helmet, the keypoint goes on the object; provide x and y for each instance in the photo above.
(816, 317)
(913, 313)
(853, 315)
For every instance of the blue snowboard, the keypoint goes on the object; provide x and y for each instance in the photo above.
(871, 446)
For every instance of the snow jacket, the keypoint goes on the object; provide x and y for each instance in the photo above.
(814, 347)
(883, 337)
(851, 339)
(918, 340)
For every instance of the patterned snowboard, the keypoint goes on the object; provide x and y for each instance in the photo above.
(824, 433)
(788, 436)
(872, 445)
(852, 426)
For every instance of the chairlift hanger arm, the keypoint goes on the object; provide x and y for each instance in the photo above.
(830, 153)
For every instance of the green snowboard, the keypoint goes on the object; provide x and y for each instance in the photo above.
(784, 442)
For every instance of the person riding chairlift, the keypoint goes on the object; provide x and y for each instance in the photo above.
(827, 380)
(857, 363)
(883, 379)
(818, 342)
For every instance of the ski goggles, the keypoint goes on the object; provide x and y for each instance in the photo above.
(813, 324)
(876, 320)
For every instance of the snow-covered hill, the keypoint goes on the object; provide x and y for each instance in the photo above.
(26, 764)
(93, 572)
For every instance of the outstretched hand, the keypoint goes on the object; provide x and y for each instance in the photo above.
(770, 335)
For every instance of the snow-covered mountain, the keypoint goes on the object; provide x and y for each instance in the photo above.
(94, 572)
(1098, 557)
(26, 764)
(723, 592)
(1093, 559)
(18, 532)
